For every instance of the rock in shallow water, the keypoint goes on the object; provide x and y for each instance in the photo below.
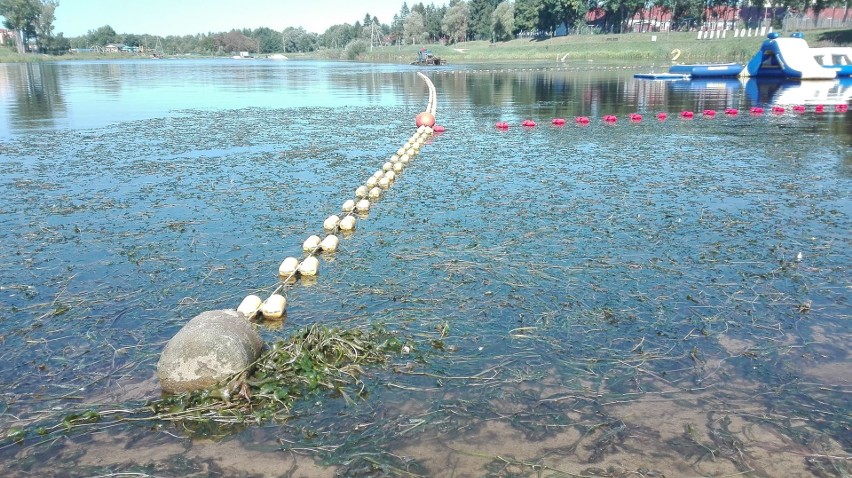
(211, 347)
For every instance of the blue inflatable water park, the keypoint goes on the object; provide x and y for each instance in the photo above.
(791, 57)
(778, 57)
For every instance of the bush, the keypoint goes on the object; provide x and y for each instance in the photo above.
(354, 49)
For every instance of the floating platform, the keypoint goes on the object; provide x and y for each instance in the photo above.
(708, 71)
(660, 76)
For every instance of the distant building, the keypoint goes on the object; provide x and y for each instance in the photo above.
(120, 48)
(6, 36)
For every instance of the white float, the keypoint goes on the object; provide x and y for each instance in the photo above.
(375, 193)
(384, 183)
(249, 306)
(362, 206)
(288, 266)
(349, 205)
(331, 222)
(348, 222)
(274, 307)
(311, 243)
(387, 166)
(390, 176)
(372, 182)
(397, 167)
(309, 266)
(329, 243)
(362, 191)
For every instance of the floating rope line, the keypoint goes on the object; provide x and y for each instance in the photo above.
(708, 114)
(367, 194)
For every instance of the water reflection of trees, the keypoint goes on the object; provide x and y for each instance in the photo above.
(36, 95)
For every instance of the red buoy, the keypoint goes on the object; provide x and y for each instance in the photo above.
(662, 116)
(528, 123)
(756, 110)
(731, 111)
(635, 117)
(799, 108)
(501, 125)
(425, 119)
(841, 108)
(610, 119)
(778, 110)
(709, 113)
(687, 114)
(582, 120)
(819, 108)
(438, 128)
(557, 121)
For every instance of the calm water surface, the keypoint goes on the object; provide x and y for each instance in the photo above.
(654, 298)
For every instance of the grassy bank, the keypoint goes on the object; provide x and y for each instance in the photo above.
(630, 48)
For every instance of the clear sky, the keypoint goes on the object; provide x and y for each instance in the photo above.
(187, 17)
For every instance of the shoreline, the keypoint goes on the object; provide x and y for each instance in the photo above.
(626, 47)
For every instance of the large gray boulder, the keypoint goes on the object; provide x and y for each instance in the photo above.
(211, 347)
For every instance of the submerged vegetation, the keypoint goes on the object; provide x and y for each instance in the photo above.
(635, 299)
(314, 361)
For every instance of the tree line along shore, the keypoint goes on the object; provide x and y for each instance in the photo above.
(628, 48)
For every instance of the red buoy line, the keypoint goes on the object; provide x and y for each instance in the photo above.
(707, 114)
(291, 269)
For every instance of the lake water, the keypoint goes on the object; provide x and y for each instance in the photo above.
(647, 298)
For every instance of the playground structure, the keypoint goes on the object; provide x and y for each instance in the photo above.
(791, 57)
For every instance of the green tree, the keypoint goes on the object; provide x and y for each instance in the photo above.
(414, 28)
(102, 36)
(355, 48)
(623, 10)
(479, 18)
(398, 25)
(338, 36)
(21, 17)
(130, 39)
(526, 15)
(432, 19)
(503, 21)
(455, 22)
(44, 24)
(299, 40)
(235, 41)
(270, 41)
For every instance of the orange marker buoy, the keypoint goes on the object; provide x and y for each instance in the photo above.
(425, 119)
